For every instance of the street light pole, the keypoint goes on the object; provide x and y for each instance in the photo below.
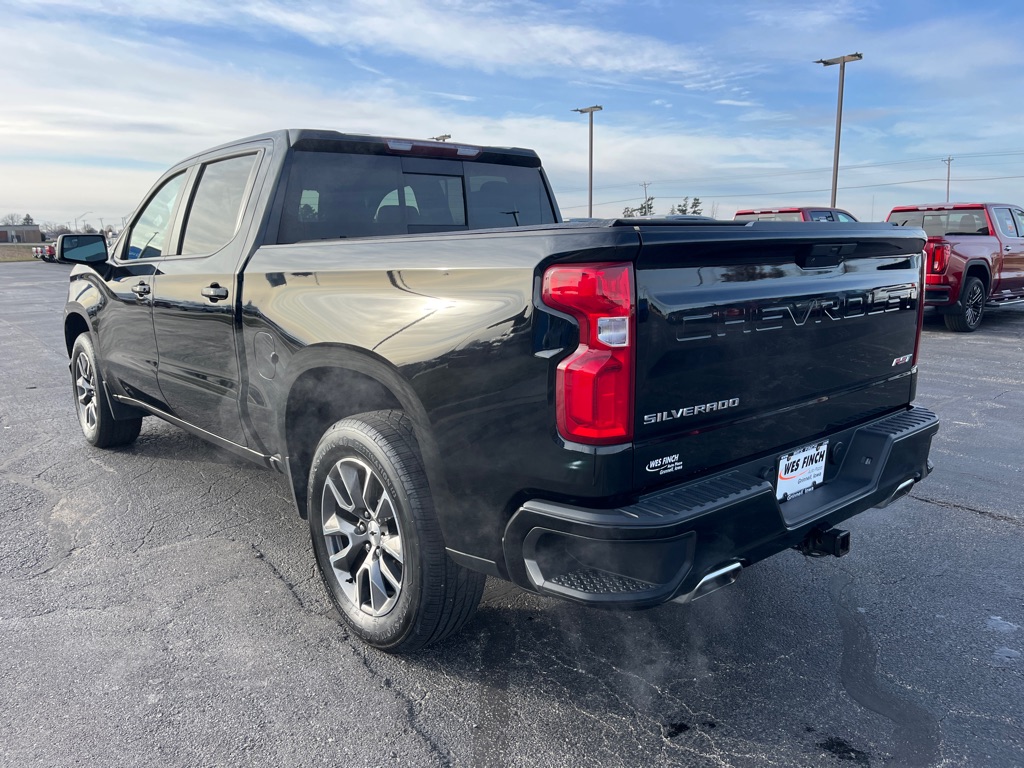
(80, 216)
(590, 175)
(841, 61)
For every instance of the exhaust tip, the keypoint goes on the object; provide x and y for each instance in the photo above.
(714, 581)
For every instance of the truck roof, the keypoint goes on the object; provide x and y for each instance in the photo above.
(315, 139)
(945, 206)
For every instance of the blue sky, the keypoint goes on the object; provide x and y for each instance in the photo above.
(716, 100)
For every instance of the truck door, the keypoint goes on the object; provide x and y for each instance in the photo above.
(1013, 254)
(1010, 222)
(125, 335)
(195, 301)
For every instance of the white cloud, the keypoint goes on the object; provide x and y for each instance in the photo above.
(487, 37)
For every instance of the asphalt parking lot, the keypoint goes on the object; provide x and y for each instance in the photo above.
(159, 606)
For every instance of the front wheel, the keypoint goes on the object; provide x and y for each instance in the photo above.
(377, 540)
(98, 424)
(967, 316)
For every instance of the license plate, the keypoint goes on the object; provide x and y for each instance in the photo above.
(801, 471)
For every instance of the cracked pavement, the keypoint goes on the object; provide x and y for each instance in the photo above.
(159, 605)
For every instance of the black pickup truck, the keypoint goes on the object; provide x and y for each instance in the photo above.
(456, 384)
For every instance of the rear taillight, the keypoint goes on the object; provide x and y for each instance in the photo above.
(937, 255)
(594, 385)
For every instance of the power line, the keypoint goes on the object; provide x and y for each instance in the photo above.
(779, 174)
(815, 191)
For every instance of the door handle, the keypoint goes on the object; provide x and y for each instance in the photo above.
(214, 292)
(1008, 248)
(141, 290)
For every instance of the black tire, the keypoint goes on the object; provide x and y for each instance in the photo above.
(967, 316)
(98, 424)
(372, 522)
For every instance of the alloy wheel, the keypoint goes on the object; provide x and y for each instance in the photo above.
(363, 538)
(85, 392)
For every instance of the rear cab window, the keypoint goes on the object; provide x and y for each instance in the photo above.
(770, 216)
(341, 195)
(957, 221)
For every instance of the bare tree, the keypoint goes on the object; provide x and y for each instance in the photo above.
(11, 219)
(52, 228)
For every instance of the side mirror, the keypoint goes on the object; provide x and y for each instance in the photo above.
(82, 249)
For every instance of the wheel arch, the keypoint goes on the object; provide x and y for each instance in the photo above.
(980, 270)
(75, 324)
(326, 384)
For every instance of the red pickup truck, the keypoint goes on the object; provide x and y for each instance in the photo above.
(974, 257)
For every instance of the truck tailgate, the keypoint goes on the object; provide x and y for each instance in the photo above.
(757, 340)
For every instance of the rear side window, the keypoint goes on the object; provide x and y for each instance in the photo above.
(822, 216)
(217, 204)
(333, 195)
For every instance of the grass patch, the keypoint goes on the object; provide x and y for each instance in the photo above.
(15, 252)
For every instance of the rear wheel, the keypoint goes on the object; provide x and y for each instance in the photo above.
(967, 317)
(98, 423)
(377, 540)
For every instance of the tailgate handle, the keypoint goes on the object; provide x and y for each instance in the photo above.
(826, 255)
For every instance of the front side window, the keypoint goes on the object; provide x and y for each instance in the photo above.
(1018, 216)
(150, 231)
(844, 217)
(1005, 222)
(215, 213)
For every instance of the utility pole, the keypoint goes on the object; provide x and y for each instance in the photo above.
(589, 111)
(841, 61)
(643, 207)
(949, 164)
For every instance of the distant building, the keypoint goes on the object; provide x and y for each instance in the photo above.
(20, 233)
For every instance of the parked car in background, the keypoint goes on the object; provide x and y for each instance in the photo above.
(974, 257)
(46, 252)
(794, 214)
